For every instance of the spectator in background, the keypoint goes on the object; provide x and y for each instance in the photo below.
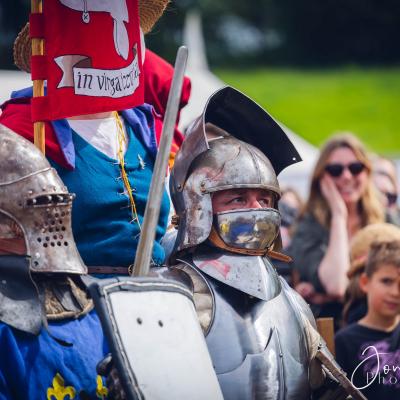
(385, 179)
(342, 200)
(368, 351)
(290, 205)
(355, 302)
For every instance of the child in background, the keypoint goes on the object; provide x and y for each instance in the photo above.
(368, 350)
(355, 300)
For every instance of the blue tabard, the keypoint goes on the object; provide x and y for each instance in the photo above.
(101, 216)
(40, 368)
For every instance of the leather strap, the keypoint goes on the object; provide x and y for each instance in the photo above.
(14, 246)
(276, 255)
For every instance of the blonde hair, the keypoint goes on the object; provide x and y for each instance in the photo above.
(369, 207)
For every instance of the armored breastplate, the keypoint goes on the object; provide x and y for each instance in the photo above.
(256, 338)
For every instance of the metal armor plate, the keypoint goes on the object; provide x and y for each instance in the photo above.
(252, 275)
(258, 347)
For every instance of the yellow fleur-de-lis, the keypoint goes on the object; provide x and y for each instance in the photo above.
(59, 391)
(101, 391)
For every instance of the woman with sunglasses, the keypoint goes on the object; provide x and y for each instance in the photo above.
(342, 200)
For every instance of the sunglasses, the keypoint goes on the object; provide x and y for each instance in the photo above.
(336, 170)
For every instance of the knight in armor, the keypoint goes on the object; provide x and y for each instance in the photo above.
(50, 336)
(260, 333)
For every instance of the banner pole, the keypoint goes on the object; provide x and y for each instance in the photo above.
(152, 211)
(38, 85)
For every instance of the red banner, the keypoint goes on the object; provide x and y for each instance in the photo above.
(92, 59)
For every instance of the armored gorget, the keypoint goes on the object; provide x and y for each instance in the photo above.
(256, 335)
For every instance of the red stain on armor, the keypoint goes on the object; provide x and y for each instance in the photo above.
(222, 268)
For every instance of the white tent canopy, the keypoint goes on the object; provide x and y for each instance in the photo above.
(12, 80)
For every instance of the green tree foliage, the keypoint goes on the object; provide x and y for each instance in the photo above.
(340, 31)
(13, 16)
(307, 32)
(273, 32)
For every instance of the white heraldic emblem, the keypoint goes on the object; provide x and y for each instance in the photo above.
(77, 69)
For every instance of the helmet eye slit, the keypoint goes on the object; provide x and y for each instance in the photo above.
(49, 199)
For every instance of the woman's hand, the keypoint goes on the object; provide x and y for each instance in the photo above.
(332, 196)
(305, 290)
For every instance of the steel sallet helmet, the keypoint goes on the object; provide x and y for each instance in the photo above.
(33, 195)
(233, 144)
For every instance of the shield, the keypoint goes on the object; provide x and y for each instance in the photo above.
(156, 341)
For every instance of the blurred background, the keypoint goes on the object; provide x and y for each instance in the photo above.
(317, 66)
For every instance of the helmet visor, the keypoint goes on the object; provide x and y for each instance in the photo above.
(251, 228)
